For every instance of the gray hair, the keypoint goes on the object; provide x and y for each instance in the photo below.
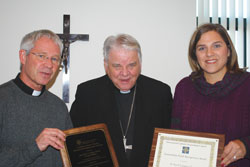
(29, 40)
(124, 41)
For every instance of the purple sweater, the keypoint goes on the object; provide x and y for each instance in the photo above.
(229, 114)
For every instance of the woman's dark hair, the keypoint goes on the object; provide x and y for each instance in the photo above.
(232, 63)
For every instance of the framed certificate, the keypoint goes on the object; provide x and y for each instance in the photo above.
(88, 146)
(177, 148)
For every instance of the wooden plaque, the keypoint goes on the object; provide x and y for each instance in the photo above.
(177, 147)
(88, 146)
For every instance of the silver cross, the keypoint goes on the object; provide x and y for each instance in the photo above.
(126, 147)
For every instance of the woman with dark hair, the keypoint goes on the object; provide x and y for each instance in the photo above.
(215, 97)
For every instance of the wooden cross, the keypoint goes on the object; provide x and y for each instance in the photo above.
(67, 39)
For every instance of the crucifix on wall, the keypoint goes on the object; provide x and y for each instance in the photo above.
(67, 39)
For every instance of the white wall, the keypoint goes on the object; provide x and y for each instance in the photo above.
(163, 28)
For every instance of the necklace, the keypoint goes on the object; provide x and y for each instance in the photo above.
(129, 119)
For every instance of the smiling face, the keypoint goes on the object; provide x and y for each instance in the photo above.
(212, 54)
(123, 68)
(35, 72)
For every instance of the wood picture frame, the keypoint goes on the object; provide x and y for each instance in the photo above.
(88, 145)
(179, 139)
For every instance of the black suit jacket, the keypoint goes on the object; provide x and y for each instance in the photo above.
(95, 103)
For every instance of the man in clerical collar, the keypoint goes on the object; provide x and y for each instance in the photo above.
(31, 117)
(129, 103)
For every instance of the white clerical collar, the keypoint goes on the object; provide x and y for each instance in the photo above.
(124, 92)
(36, 93)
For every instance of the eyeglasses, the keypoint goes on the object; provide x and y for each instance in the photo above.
(43, 57)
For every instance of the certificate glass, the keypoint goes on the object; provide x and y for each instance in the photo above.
(88, 146)
(173, 148)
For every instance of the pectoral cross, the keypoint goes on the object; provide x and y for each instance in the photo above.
(67, 39)
(126, 147)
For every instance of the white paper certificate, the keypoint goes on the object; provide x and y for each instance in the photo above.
(185, 151)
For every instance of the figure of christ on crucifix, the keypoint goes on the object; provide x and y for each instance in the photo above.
(67, 39)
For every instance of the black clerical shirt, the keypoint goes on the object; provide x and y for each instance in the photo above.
(124, 102)
(24, 87)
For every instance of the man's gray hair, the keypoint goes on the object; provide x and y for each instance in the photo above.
(124, 41)
(29, 40)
